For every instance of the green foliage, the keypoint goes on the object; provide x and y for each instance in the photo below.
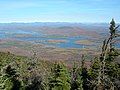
(105, 71)
(35, 74)
(5, 83)
(76, 79)
(9, 80)
(93, 71)
(59, 79)
(36, 84)
(112, 27)
(24, 66)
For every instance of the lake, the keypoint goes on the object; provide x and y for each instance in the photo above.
(57, 35)
(35, 37)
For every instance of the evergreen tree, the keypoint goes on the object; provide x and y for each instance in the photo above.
(76, 79)
(93, 73)
(9, 80)
(36, 84)
(113, 35)
(106, 67)
(59, 79)
(84, 74)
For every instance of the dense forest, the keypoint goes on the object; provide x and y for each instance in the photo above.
(24, 73)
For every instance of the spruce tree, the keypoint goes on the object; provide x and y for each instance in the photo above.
(84, 74)
(107, 65)
(76, 78)
(36, 84)
(59, 79)
(9, 80)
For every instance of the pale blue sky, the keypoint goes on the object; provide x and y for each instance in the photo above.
(59, 10)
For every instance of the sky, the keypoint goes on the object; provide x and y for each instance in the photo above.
(94, 11)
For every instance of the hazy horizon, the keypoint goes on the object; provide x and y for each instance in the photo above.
(53, 22)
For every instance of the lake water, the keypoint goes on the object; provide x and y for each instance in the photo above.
(41, 38)
(36, 37)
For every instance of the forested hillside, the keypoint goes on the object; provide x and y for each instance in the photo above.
(33, 73)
